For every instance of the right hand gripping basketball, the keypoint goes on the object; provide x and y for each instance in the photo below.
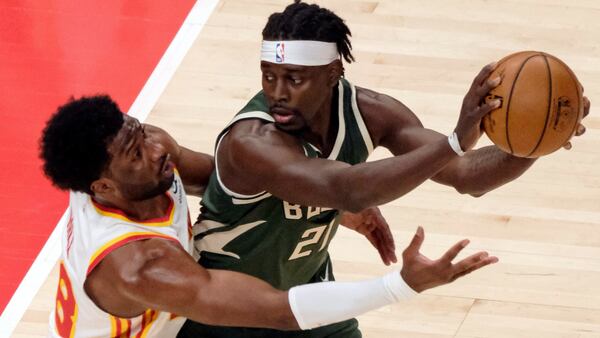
(580, 130)
(474, 108)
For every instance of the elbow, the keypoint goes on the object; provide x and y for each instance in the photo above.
(353, 200)
(354, 206)
(468, 190)
(352, 196)
(285, 320)
(247, 311)
(477, 194)
(287, 324)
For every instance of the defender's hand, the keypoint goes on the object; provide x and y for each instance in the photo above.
(474, 108)
(159, 136)
(372, 225)
(580, 128)
(422, 273)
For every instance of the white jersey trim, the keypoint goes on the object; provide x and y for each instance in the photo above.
(237, 197)
(305, 151)
(228, 191)
(249, 115)
(237, 201)
(206, 225)
(313, 147)
(218, 240)
(341, 124)
(360, 122)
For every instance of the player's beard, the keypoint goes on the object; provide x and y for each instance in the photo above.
(140, 193)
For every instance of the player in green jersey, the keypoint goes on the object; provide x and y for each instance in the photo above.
(293, 158)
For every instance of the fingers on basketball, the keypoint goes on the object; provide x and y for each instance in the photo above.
(483, 75)
(487, 107)
(481, 86)
(580, 130)
(488, 85)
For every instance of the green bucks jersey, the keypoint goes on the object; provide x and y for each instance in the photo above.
(261, 235)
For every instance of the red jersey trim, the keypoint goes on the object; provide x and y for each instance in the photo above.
(119, 242)
(119, 214)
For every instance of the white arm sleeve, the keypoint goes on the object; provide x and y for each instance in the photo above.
(321, 304)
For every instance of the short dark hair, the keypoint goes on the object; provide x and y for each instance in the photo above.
(74, 142)
(301, 21)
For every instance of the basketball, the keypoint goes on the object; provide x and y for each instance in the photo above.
(541, 104)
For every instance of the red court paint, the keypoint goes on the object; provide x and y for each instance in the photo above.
(49, 51)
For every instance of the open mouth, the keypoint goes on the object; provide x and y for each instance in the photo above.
(282, 115)
(282, 119)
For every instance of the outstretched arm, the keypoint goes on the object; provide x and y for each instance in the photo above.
(158, 274)
(476, 173)
(419, 273)
(254, 157)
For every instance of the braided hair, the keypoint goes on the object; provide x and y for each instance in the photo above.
(301, 21)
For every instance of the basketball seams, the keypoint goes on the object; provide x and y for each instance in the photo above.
(549, 111)
(510, 98)
(535, 130)
(488, 118)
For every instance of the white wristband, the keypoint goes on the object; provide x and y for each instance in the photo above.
(319, 304)
(454, 144)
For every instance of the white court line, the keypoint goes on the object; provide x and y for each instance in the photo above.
(141, 107)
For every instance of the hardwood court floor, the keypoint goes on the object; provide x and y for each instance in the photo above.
(544, 227)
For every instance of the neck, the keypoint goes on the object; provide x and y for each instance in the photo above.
(151, 208)
(321, 131)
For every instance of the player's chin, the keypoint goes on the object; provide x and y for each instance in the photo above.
(290, 127)
(165, 182)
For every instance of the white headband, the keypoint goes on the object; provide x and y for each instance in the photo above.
(299, 52)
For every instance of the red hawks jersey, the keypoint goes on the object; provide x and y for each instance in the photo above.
(93, 232)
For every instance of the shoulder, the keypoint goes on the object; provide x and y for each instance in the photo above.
(253, 152)
(102, 229)
(384, 114)
(112, 284)
(127, 247)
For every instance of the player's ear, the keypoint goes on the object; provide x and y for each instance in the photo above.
(102, 186)
(336, 71)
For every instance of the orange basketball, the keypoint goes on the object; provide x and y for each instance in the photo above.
(542, 104)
